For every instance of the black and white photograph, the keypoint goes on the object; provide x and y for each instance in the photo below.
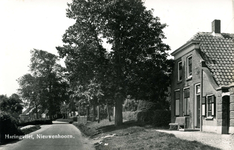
(117, 74)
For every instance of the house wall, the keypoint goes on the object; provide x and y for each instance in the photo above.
(186, 83)
(211, 124)
(208, 124)
(231, 128)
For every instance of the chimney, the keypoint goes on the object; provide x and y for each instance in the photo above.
(216, 27)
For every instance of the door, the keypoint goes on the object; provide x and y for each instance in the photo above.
(225, 114)
(197, 109)
(198, 112)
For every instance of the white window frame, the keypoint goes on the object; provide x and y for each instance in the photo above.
(212, 106)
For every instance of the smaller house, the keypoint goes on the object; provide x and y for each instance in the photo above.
(203, 81)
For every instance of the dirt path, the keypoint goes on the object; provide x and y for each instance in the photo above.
(222, 141)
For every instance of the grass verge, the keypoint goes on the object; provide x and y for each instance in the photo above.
(31, 129)
(135, 136)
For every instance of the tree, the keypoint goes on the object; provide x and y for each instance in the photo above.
(137, 62)
(46, 86)
(12, 105)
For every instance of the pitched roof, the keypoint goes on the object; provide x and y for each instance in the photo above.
(218, 54)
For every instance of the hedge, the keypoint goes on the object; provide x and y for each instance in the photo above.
(35, 122)
(157, 118)
(8, 127)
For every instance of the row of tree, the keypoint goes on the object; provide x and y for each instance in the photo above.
(135, 66)
(45, 88)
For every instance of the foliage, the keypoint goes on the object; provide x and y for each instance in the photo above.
(8, 126)
(137, 63)
(46, 86)
(36, 122)
(12, 105)
(31, 129)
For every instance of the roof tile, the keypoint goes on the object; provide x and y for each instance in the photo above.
(218, 53)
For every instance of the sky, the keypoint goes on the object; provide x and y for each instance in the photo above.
(40, 24)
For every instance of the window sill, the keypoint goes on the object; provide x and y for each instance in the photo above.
(210, 118)
(189, 78)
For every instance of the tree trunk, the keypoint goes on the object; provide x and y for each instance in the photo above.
(118, 110)
(108, 112)
(94, 109)
(37, 111)
(98, 113)
(88, 113)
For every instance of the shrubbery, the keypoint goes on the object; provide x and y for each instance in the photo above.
(155, 117)
(35, 122)
(149, 113)
(8, 127)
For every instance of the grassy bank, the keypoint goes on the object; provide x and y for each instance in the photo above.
(133, 136)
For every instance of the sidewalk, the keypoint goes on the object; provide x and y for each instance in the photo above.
(222, 141)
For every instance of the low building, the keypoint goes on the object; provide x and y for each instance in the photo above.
(203, 81)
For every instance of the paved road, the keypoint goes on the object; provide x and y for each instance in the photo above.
(63, 136)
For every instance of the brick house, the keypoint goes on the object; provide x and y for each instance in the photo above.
(203, 82)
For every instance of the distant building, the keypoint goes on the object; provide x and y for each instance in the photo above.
(203, 81)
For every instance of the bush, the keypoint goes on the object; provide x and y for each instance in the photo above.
(130, 115)
(35, 122)
(157, 118)
(145, 105)
(161, 118)
(31, 129)
(8, 127)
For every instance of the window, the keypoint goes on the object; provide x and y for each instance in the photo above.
(177, 103)
(204, 106)
(210, 105)
(186, 101)
(179, 71)
(189, 66)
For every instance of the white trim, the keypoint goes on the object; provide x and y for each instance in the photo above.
(226, 94)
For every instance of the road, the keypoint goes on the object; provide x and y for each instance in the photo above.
(58, 136)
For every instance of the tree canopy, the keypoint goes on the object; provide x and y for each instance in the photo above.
(46, 86)
(137, 63)
(12, 105)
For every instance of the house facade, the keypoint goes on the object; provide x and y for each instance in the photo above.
(203, 82)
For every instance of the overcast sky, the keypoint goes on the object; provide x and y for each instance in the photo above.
(40, 24)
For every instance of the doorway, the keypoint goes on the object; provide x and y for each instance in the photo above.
(197, 115)
(225, 114)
